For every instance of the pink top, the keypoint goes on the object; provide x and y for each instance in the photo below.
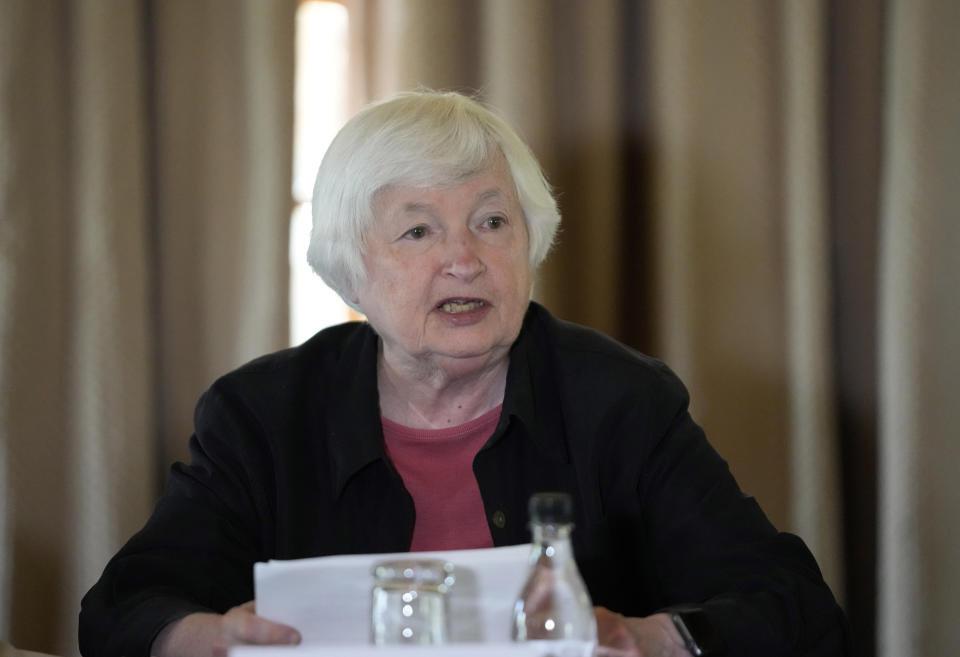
(436, 466)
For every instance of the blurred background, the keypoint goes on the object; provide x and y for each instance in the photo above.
(763, 193)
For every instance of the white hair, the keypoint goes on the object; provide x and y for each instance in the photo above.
(415, 139)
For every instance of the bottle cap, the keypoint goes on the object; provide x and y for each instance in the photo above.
(551, 508)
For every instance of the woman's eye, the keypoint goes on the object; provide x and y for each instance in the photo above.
(416, 233)
(495, 222)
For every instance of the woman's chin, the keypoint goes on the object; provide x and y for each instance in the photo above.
(464, 358)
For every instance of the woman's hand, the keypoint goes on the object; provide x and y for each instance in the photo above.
(211, 635)
(653, 636)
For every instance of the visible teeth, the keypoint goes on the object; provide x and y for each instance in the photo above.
(457, 307)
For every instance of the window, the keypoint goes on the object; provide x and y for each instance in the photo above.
(320, 109)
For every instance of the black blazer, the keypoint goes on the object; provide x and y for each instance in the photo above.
(287, 461)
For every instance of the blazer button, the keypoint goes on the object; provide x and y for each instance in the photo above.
(499, 519)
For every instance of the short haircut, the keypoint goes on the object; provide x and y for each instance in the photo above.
(415, 139)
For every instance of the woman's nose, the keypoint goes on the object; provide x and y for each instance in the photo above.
(463, 259)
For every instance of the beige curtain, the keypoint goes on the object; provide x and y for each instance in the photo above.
(724, 260)
(918, 574)
(145, 154)
(222, 90)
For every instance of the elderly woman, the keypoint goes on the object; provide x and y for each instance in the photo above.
(430, 425)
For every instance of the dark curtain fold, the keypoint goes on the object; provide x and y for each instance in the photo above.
(855, 112)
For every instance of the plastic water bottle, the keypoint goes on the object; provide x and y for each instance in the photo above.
(554, 605)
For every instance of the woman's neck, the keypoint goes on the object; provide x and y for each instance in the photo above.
(435, 397)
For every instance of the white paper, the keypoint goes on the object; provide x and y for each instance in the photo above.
(328, 598)
(447, 650)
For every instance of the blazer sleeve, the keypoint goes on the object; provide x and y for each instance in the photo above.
(715, 548)
(197, 549)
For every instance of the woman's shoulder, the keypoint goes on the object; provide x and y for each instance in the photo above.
(586, 357)
(583, 344)
(330, 351)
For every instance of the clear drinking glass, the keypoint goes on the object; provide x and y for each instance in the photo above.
(408, 603)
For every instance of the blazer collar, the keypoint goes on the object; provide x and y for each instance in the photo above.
(355, 434)
(532, 395)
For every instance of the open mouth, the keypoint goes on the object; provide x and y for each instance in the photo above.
(457, 306)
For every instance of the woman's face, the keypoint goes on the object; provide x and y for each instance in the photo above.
(448, 272)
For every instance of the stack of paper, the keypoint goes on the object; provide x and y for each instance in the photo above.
(328, 598)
